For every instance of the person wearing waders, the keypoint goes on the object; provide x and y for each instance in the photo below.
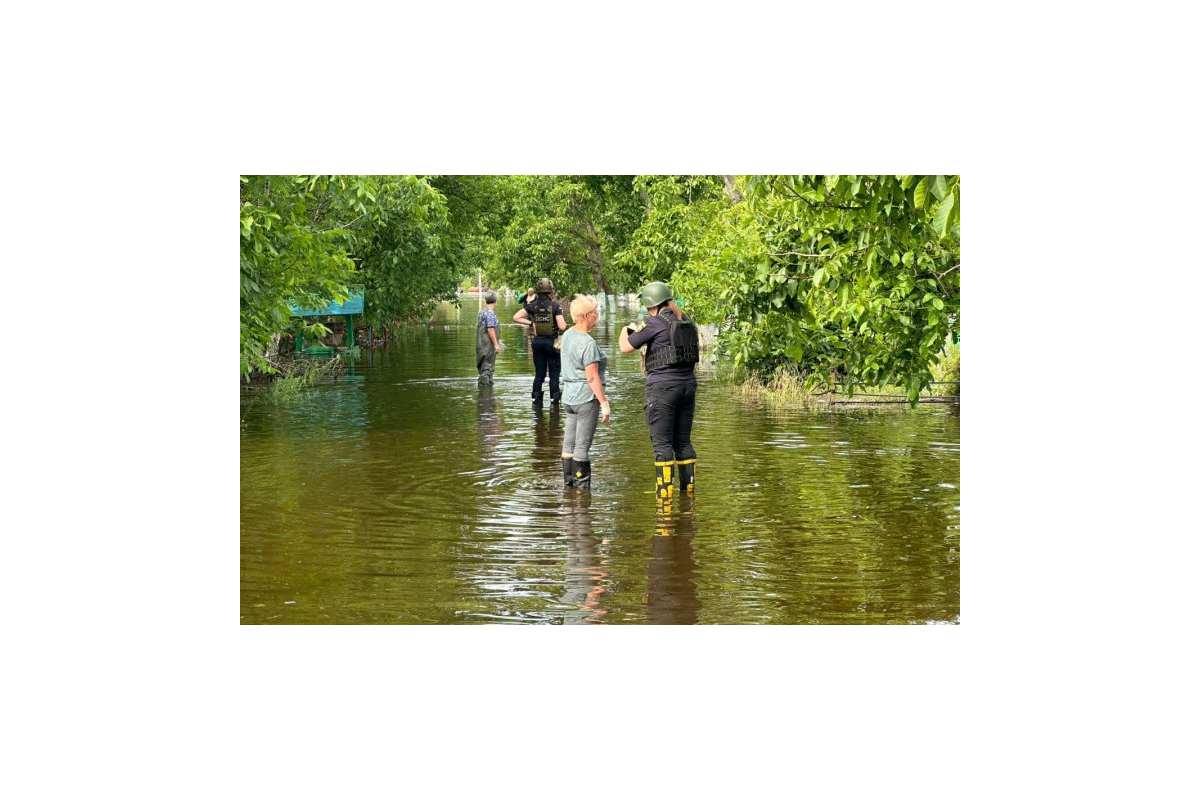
(546, 318)
(487, 341)
(672, 350)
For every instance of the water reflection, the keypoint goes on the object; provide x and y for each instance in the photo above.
(586, 577)
(491, 425)
(547, 435)
(411, 496)
(670, 574)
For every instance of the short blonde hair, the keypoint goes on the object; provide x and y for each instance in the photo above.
(582, 304)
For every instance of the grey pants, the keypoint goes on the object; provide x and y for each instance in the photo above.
(579, 429)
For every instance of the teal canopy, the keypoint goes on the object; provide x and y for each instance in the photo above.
(353, 305)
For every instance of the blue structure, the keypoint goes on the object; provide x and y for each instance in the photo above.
(352, 305)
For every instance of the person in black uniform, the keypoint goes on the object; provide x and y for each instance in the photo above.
(673, 348)
(546, 318)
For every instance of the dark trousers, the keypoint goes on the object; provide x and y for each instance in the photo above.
(545, 356)
(485, 362)
(485, 355)
(670, 408)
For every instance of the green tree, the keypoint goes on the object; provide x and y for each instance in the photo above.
(295, 234)
(566, 228)
(307, 239)
(848, 275)
(405, 256)
(676, 212)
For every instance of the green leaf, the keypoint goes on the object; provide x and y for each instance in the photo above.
(921, 192)
(938, 304)
(938, 187)
(943, 214)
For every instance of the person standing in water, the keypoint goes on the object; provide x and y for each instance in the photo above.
(583, 395)
(487, 340)
(546, 318)
(673, 349)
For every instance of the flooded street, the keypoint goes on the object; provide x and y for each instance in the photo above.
(407, 494)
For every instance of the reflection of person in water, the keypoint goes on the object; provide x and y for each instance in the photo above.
(547, 437)
(491, 426)
(587, 572)
(670, 576)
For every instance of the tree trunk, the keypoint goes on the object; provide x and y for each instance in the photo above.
(595, 257)
(596, 261)
(602, 283)
(731, 189)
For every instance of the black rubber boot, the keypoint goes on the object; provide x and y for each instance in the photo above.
(583, 474)
(687, 475)
(568, 471)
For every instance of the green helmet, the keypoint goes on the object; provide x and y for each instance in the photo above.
(544, 285)
(656, 293)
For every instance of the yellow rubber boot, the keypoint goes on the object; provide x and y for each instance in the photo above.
(663, 488)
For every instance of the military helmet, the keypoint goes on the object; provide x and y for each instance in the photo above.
(544, 285)
(656, 293)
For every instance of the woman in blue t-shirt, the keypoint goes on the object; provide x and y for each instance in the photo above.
(583, 397)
